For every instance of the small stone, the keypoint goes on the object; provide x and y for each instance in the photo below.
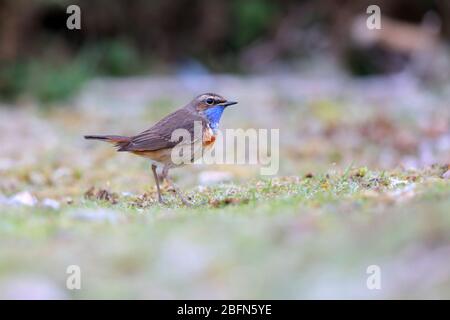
(24, 198)
(50, 203)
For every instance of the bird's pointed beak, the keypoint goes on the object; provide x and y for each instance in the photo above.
(228, 103)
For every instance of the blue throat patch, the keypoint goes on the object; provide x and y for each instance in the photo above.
(213, 115)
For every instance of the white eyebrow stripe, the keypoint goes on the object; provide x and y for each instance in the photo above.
(216, 98)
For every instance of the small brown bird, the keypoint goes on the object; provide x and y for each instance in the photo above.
(156, 143)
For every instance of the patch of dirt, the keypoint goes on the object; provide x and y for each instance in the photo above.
(218, 203)
(101, 194)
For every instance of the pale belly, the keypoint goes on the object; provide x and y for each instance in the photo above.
(165, 157)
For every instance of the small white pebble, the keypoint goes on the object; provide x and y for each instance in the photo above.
(24, 198)
(50, 203)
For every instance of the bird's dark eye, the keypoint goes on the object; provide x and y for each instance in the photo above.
(210, 101)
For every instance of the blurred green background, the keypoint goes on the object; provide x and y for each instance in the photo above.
(40, 57)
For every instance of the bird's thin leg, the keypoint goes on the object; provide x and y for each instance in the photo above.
(160, 199)
(177, 191)
(164, 173)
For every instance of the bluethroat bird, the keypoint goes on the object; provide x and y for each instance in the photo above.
(156, 143)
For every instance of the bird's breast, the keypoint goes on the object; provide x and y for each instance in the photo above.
(209, 137)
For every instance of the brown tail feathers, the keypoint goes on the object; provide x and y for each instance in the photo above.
(118, 141)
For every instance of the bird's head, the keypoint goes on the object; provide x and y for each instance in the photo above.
(211, 100)
(211, 106)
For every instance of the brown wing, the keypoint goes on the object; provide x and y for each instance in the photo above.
(159, 136)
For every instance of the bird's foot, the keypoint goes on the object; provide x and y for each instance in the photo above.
(183, 200)
(180, 195)
(161, 201)
(177, 191)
